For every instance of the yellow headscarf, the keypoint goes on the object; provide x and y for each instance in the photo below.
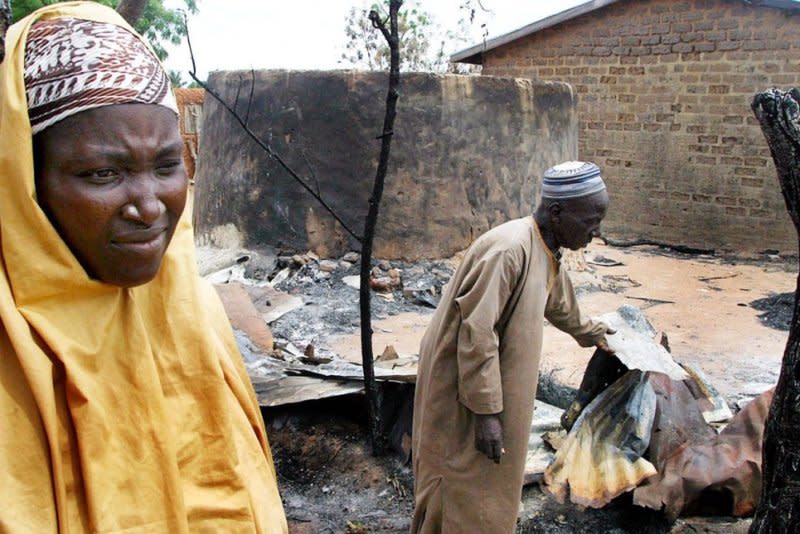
(120, 409)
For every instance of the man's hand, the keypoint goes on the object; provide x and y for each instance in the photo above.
(489, 436)
(602, 344)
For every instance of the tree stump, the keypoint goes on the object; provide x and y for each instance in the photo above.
(779, 508)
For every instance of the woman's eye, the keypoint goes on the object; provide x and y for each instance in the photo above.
(168, 168)
(99, 175)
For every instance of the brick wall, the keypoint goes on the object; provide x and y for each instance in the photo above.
(190, 106)
(665, 88)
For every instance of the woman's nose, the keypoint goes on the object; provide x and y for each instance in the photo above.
(144, 206)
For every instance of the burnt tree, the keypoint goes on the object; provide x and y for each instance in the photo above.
(779, 508)
(391, 34)
(5, 22)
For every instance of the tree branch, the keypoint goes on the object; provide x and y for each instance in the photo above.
(379, 24)
(261, 143)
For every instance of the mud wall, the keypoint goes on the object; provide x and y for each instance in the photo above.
(665, 88)
(467, 155)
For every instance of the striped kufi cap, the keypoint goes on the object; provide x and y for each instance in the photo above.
(572, 179)
(73, 65)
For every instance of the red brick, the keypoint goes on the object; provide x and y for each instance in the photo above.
(755, 162)
(744, 171)
(753, 182)
(740, 212)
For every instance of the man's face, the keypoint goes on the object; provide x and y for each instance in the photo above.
(113, 183)
(577, 221)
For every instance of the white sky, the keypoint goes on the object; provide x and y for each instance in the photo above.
(309, 34)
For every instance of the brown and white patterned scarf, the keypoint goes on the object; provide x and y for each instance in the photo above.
(73, 65)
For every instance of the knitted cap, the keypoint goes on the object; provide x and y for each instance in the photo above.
(572, 179)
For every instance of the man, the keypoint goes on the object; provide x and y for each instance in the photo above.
(124, 403)
(479, 357)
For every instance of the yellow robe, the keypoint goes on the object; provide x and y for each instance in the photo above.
(120, 409)
(480, 354)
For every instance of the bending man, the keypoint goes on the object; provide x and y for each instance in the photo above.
(479, 358)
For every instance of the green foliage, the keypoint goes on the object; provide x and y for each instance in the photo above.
(158, 24)
(175, 78)
(422, 41)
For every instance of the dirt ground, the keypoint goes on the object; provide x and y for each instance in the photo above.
(331, 484)
(702, 303)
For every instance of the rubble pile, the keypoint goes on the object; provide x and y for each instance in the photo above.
(329, 290)
(290, 313)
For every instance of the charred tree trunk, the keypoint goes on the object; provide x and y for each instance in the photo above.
(779, 508)
(131, 10)
(373, 393)
(5, 22)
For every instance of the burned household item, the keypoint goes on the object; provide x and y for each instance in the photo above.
(643, 423)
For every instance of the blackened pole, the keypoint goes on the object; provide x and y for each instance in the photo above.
(373, 393)
(778, 510)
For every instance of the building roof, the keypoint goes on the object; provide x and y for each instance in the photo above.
(474, 54)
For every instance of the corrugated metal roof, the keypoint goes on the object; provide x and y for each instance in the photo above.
(474, 54)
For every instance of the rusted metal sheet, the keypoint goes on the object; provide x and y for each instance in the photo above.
(702, 472)
(603, 455)
(243, 315)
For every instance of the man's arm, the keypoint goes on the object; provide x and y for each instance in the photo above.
(563, 312)
(483, 295)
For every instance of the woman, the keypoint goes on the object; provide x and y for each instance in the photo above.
(124, 404)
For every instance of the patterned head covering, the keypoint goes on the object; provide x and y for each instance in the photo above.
(572, 179)
(72, 65)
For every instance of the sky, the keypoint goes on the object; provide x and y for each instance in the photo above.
(309, 34)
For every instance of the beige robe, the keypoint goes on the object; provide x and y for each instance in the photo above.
(480, 354)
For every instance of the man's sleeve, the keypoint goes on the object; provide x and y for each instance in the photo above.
(563, 312)
(483, 295)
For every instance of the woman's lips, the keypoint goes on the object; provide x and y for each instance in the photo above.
(141, 242)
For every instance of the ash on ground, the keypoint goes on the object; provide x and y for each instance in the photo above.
(777, 310)
(329, 289)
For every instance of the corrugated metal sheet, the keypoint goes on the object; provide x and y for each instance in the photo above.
(603, 455)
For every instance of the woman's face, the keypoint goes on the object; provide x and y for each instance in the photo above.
(113, 183)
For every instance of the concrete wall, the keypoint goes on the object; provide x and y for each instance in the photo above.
(467, 155)
(665, 88)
